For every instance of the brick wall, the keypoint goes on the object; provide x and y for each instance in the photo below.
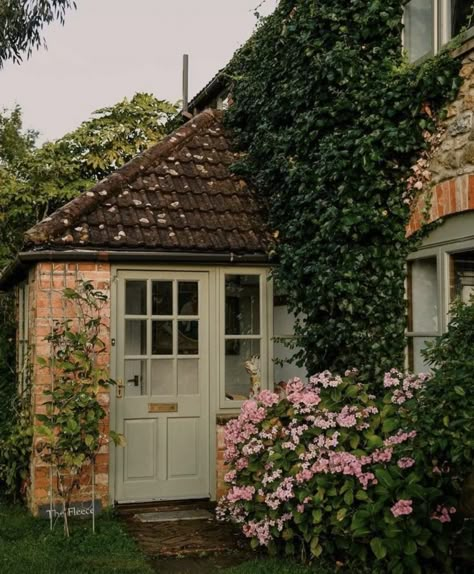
(46, 284)
(452, 165)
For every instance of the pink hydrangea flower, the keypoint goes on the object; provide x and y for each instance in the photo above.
(406, 462)
(402, 508)
(443, 513)
(267, 398)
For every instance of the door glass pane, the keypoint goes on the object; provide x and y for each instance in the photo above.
(188, 376)
(461, 15)
(416, 362)
(162, 338)
(135, 337)
(462, 275)
(242, 304)
(162, 377)
(135, 378)
(135, 297)
(188, 337)
(424, 296)
(237, 380)
(162, 298)
(419, 27)
(188, 298)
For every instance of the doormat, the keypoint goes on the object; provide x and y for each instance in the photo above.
(174, 516)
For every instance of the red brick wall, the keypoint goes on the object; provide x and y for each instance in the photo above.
(221, 469)
(46, 284)
(447, 198)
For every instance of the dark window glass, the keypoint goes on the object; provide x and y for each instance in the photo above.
(162, 298)
(162, 338)
(461, 15)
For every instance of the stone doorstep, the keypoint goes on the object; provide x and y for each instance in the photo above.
(174, 516)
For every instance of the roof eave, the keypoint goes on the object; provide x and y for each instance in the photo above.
(18, 269)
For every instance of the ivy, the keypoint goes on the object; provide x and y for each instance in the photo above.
(331, 118)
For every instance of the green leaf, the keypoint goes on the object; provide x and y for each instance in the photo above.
(410, 547)
(349, 497)
(315, 548)
(317, 516)
(389, 425)
(378, 548)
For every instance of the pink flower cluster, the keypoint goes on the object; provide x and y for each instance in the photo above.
(406, 462)
(301, 395)
(402, 508)
(240, 493)
(325, 379)
(443, 513)
(406, 385)
(312, 441)
(399, 438)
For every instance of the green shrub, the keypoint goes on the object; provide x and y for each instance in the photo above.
(445, 417)
(331, 471)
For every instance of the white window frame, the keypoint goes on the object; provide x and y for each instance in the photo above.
(455, 235)
(265, 336)
(441, 27)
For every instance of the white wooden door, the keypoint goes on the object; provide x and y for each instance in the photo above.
(163, 364)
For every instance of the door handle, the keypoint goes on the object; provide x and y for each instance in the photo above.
(119, 389)
(135, 380)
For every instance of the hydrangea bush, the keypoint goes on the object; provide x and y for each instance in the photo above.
(330, 470)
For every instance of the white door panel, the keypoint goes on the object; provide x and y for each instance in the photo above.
(163, 362)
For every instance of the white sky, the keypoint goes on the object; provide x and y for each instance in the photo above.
(109, 49)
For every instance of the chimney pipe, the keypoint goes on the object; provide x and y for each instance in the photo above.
(185, 82)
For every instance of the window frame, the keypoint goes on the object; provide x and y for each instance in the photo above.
(441, 29)
(23, 335)
(266, 330)
(442, 249)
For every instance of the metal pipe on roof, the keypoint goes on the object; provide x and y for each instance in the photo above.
(185, 82)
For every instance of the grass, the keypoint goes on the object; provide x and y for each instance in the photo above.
(28, 547)
(279, 566)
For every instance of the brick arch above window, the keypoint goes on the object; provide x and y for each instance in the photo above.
(449, 197)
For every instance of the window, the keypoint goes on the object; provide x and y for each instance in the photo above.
(243, 337)
(440, 271)
(423, 310)
(162, 337)
(23, 316)
(429, 24)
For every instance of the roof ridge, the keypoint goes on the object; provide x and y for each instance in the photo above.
(60, 220)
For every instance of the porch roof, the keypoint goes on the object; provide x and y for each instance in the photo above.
(177, 196)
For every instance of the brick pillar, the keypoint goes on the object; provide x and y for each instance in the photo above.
(221, 467)
(47, 304)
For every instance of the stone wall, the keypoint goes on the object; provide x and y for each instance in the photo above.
(451, 189)
(47, 304)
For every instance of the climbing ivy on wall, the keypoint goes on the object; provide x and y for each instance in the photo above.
(332, 118)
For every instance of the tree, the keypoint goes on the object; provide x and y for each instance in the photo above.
(36, 181)
(22, 22)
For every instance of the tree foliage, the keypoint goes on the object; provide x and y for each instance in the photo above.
(22, 22)
(332, 119)
(35, 181)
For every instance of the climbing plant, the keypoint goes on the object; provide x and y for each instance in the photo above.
(71, 429)
(332, 118)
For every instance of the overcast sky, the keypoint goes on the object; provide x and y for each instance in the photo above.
(109, 49)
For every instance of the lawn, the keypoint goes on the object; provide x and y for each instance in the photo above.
(28, 547)
(278, 566)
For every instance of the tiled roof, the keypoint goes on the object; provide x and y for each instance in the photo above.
(179, 195)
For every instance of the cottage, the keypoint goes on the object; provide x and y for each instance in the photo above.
(180, 245)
